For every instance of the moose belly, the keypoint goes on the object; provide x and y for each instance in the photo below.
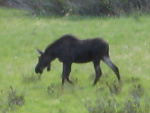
(82, 58)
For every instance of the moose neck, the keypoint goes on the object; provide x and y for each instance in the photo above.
(52, 52)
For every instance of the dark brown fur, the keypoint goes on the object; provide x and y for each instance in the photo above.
(68, 49)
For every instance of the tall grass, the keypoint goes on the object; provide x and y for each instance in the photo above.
(21, 34)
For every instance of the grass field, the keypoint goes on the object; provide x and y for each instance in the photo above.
(22, 92)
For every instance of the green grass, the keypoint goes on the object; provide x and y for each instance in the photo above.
(21, 34)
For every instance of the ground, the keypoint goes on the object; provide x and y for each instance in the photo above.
(22, 92)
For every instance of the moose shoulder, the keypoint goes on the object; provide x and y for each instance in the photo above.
(68, 49)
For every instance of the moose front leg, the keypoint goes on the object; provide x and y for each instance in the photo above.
(49, 67)
(66, 73)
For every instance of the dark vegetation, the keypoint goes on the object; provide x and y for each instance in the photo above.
(80, 7)
(132, 104)
(31, 78)
(11, 99)
(136, 102)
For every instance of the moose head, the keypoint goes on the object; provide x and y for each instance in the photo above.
(44, 61)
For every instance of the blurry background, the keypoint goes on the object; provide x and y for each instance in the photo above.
(80, 7)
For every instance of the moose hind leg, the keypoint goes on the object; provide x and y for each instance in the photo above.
(66, 73)
(97, 71)
(112, 66)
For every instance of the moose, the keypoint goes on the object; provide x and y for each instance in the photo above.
(69, 49)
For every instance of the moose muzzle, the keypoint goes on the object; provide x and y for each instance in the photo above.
(38, 70)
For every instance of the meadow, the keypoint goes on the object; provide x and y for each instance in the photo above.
(22, 92)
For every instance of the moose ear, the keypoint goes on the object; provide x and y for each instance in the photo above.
(39, 51)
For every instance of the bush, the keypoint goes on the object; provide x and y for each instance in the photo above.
(136, 102)
(47, 7)
(2, 2)
(91, 7)
(83, 7)
(10, 100)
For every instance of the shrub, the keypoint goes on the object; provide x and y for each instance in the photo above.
(31, 78)
(14, 98)
(11, 99)
(82, 7)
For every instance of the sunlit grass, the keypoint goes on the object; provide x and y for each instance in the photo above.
(21, 34)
